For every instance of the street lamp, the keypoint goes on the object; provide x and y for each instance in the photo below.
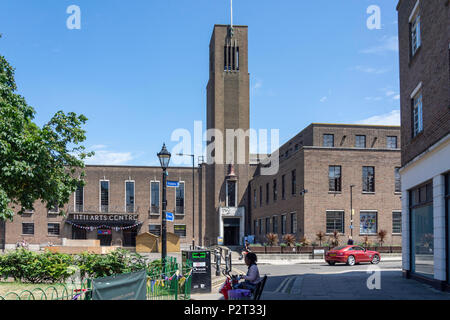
(351, 210)
(193, 196)
(164, 159)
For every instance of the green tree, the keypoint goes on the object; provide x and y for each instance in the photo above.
(36, 163)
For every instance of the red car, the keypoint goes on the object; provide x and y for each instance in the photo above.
(351, 255)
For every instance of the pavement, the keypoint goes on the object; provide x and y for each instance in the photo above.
(323, 282)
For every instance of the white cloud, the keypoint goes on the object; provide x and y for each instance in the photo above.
(106, 157)
(397, 97)
(387, 44)
(371, 70)
(374, 98)
(323, 99)
(390, 93)
(390, 119)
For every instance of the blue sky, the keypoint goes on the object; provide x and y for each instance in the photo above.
(138, 69)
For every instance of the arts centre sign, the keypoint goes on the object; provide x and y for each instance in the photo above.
(103, 217)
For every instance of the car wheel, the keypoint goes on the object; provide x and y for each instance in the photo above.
(375, 259)
(331, 263)
(351, 261)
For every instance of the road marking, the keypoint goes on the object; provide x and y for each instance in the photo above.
(282, 284)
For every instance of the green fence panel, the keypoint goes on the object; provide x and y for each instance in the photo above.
(128, 286)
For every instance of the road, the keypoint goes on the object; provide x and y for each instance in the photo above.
(324, 282)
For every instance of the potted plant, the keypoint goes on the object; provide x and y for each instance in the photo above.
(320, 236)
(334, 239)
(272, 242)
(257, 248)
(289, 240)
(304, 246)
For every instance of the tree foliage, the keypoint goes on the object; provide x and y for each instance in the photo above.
(36, 163)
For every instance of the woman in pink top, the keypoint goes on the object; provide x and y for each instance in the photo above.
(252, 278)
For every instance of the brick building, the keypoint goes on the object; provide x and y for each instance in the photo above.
(311, 192)
(424, 46)
(119, 202)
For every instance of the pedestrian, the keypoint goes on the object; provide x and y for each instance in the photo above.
(350, 241)
(252, 278)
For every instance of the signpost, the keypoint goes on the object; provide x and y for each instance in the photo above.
(173, 183)
(169, 216)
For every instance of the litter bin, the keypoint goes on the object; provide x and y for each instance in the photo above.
(201, 270)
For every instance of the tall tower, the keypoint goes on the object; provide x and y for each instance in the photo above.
(228, 108)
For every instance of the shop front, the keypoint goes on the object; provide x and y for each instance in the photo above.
(110, 229)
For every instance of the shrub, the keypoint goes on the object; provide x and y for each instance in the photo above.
(304, 241)
(334, 239)
(381, 236)
(320, 236)
(272, 239)
(289, 239)
(366, 242)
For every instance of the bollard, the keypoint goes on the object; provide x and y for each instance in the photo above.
(229, 261)
(217, 264)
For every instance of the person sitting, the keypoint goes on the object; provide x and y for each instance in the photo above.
(252, 278)
(350, 241)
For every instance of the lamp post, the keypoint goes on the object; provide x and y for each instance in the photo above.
(193, 196)
(351, 210)
(164, 159)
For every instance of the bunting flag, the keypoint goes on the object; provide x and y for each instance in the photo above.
(92, 228)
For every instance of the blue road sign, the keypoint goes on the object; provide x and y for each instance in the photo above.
(169, 216)
(172, 183)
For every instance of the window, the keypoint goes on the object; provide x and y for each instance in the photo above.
(154, 197)
(255, 226)
(368, 179)
(274, 190)
(391, 142)
(360, 142)
(53, 229)
(397, 222)
(274, 224)
(335, 221)
(231, 193)
(398, 185)
(231, 58)
(260, 226)
(260, 196)
(415, 33)
(283, 187)
(417, 114)
(155, 229)
(267, 193)
(28, 228)
(293, 182)
(254, 198)
(179, 198)
(293, 223)
(283, 224)
(334, 178)
(180, 230)
(367, 222)
(129, 196)
(79, 199)
(267, 225)
(422, 230)
(328, 140)
(104, 196)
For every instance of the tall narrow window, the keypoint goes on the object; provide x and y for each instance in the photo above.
(154, 197)
(283, 224)
(293, 223)
(275, 224)
(231, 193)
(254, 198)
(267, 193)
(267, 225)
(104, 196)
(397, 222)
(275, 190)
(180, 198)
(328, 140)
(360, 142)
(293, 182)
(129, 196)
(416, 40)
(417, 114)
(260, 226)
(79, 199)
(260, 196)
(283, 187)
(398, 185)
(334, 178)
(368, 179)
